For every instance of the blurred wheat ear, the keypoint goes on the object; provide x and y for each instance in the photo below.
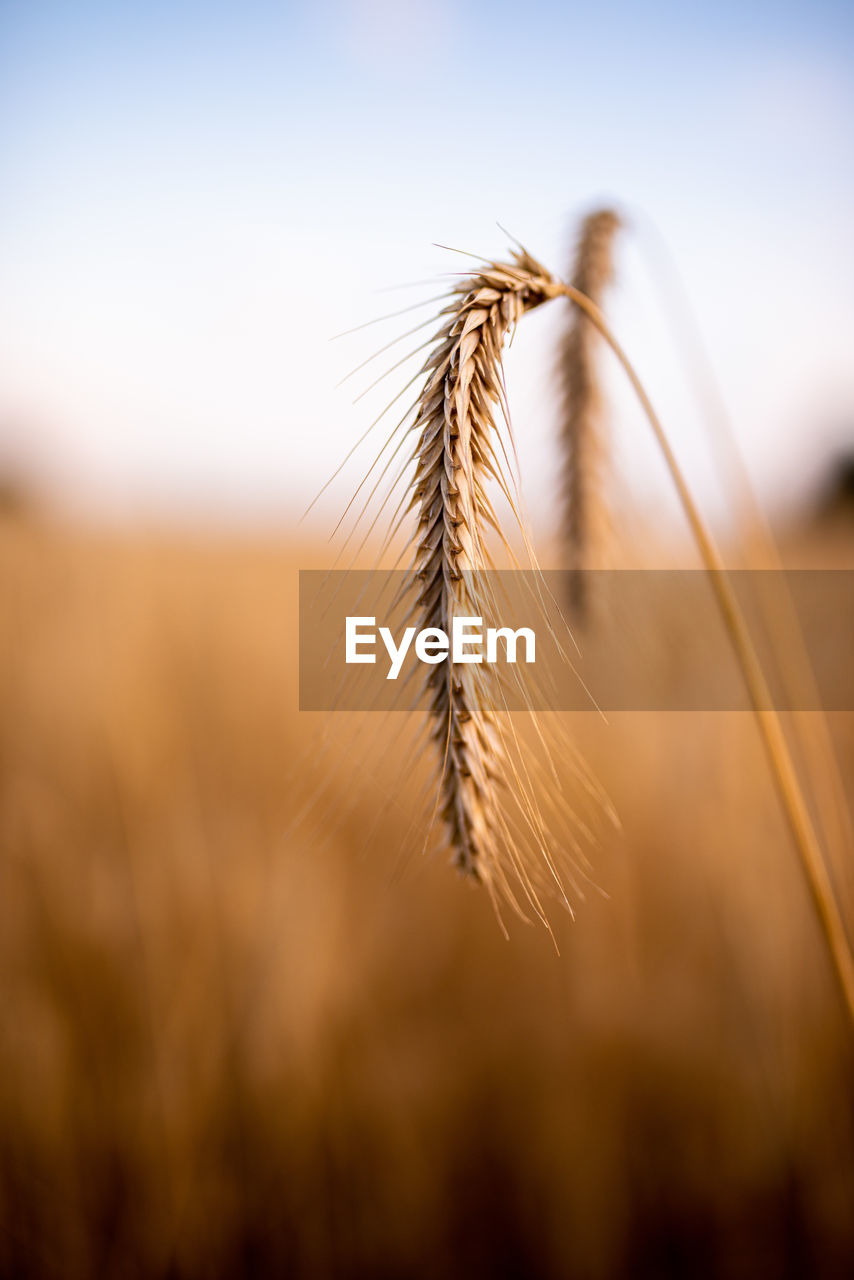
(583, 436)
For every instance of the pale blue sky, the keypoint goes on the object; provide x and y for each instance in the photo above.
(195, 197)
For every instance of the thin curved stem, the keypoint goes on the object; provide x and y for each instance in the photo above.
(768, 721)
(796, 670)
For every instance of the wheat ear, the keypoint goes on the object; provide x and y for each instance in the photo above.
(457, 455)
(582, 434)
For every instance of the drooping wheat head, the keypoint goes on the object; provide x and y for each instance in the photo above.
(457, 454)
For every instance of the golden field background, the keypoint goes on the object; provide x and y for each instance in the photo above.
(248, 1029)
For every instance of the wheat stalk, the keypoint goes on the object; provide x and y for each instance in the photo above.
(455, 456)
(582, 434)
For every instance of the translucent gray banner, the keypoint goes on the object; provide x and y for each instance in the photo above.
(644, 640)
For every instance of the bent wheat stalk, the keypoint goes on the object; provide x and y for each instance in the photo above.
(455, 457)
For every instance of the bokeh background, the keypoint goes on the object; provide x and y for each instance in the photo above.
(250, 1027)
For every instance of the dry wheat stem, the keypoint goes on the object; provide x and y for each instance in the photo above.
(813, 732)
(767, 719)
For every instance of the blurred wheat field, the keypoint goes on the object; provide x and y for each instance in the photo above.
(250, 1030)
